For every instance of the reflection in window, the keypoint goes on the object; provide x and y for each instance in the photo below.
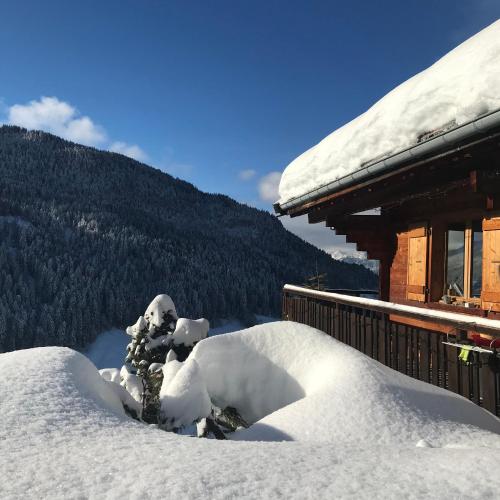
(455, 259)
(477, 261)
(464, 253)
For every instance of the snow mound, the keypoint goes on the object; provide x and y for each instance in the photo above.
(49, 380)
(299, 384)
(458, 88)
(64, 434)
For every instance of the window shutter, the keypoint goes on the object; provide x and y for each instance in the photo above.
(417, 262)
(490, 292)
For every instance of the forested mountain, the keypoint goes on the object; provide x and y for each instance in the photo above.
(88, 238)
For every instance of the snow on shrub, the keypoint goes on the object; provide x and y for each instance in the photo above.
(110, 374)
(161, 338)
(159, 310)
(190, 331)
(158, 385)
(132, 383)
(129, 403)
(183, 395)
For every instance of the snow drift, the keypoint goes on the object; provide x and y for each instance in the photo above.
(299, 384)
(361, 430)
(458, 88)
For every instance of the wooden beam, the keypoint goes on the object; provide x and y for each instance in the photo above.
(359, 222)
(486, 181)
(458, 199)
(378, 243)
(389, 193)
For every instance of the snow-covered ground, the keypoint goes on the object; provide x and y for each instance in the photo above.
(110, 348)
(329, 422)
(460, 87)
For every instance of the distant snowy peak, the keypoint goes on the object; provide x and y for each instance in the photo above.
(354, 257)
(460, 87)
(342, 254)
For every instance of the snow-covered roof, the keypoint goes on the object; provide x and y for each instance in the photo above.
(460, 87)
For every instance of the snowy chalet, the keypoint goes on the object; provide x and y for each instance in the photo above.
(415, 182)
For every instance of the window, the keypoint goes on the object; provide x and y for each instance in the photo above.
(463, 270)
(455, 261)
(477, 261)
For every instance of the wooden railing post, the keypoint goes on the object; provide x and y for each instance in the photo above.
(424, 356)
(488, 381)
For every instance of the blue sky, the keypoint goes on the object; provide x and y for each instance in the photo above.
(221, 93)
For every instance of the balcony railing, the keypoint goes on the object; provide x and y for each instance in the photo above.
(426, 355)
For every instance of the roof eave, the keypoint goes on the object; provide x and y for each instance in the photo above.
(459, 135)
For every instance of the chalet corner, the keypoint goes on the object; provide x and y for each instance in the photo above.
(436, 230)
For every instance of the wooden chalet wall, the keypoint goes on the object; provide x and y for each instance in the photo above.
(460, 185)
(423, 221)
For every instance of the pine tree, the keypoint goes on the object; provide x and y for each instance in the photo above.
(151, 341)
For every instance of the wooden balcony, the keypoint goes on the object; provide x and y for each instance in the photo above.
(433, 357)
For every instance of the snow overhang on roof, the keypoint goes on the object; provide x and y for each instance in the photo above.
(454, 100)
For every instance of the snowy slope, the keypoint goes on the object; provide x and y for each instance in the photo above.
(63, 433)
(460, 87)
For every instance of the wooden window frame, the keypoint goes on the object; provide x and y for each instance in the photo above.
(468, 256)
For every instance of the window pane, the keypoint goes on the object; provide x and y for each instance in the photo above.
(455, 262)
(477, 262)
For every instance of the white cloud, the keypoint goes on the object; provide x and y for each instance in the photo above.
(62, 119)
(246, 175)
(130, 150)
(57, 117)
(268, 187)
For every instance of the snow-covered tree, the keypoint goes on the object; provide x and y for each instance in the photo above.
(164, 381)
(155, 335)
